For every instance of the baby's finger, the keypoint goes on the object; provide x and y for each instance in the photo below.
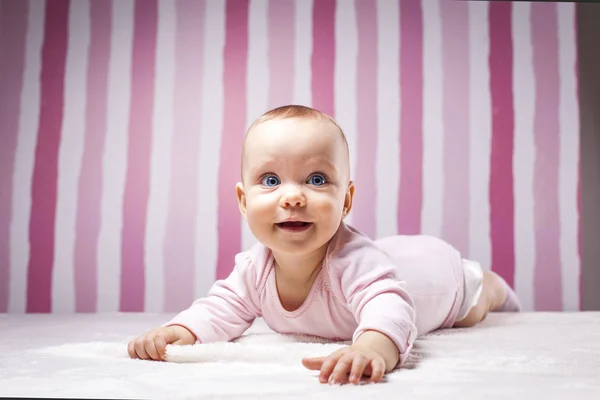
(150, 348)
(314, 363)
(358, 366)
(139, 349)
(342, 367)
(377, 370)
(161, 347)
(328, 366)
(131, 349)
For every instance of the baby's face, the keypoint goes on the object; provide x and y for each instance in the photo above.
(295, 188)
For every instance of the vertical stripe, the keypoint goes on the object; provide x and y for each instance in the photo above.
(569, 157)
(323, 61)
(524, 153)
(259, 74)
(160, 162)
(388, 100)
(187, 116)
(281, 53)
(114, 159)
(234, 123)
(44, 182)
(411, 117)
(579, 234)
(70, 157)
(366, 96)
(344, 87)
(25, 159)
(480, 116)
(303, 25)
(578, 119)
(90, 179)
(135, 202)
(544, 35)
(210, 142)
(13, 32)
(433, 127)
(501, 176)
(455, 56)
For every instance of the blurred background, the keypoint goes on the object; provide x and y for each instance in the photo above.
(121, 124)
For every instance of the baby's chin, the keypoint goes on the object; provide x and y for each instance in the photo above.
(295, 248)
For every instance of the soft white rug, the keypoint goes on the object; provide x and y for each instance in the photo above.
(509, 356)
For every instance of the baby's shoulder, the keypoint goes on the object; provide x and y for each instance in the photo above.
(253, 264)
(351, 251)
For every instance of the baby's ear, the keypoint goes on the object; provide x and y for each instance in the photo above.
(241, 197)
(348, 199)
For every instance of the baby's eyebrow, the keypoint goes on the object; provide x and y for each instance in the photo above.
(320, 161)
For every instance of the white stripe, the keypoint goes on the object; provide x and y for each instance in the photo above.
(25, 159)
(346, 51)
(569, 156)
(70, 156)
(303, 52)
(388, 121)
(524, 153)
(480, 134)
(210, 142)
(160, 160)
(433, 131)
(114, 161)
(257, 74)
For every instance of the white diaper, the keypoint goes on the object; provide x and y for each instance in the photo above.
(473, 286)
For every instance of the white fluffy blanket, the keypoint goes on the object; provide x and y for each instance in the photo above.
(509, 356)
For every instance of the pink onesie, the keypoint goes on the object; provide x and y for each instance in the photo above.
(402, 286)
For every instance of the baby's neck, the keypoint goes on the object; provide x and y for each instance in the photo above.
(299, 270)
(295, 276)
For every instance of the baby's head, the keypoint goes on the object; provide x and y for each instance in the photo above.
(296, 186)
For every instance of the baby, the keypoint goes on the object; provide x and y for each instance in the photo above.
(313, 274)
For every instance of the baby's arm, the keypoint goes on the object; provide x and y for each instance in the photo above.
(385, 313)
(229, 308)
(224, 314)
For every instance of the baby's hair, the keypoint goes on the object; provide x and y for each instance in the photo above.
(297, 111)
(293, 111)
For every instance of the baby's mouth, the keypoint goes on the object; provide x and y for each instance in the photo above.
(294, 225)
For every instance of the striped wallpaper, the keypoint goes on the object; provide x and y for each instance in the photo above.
(121, 124)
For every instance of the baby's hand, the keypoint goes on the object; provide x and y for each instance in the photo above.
(152, 345)
(354, 360)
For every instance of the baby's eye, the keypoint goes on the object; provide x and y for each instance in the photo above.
(317, 180)
(270, 180)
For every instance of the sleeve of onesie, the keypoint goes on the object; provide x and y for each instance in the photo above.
(376, 296)
(228, 310)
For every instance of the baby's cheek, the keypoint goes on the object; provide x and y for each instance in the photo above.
(332, 209)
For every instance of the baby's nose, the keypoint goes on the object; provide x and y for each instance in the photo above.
(293, 197)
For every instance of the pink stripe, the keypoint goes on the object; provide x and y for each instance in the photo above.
(323, 56)
(90, 180)
(45, 170)
(410, 197)
(13, 31)
(234, 125)
(281, 52)
(501, 170)
(137, 184)
(366, 178)
(544, 35)
(455, 61)
(180, 237)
